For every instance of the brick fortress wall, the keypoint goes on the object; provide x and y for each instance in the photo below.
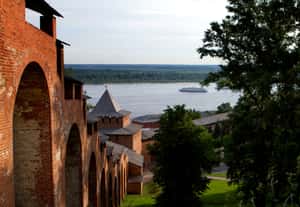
(45, 154)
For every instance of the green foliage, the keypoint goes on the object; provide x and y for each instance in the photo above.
(69, 72)
(147, 199)
(90, 107)
(183, 152)
(223, 108)
(193, 114)
(219, 174)
(259, 41)
(219, 194)
(135, 76)
(223, 128)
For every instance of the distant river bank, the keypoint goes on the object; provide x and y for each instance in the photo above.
(112, 73)
(153, 98)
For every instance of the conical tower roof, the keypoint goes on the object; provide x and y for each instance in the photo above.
(107, 104)
(108, 107)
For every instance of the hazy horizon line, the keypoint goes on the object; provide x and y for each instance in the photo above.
(136, 64)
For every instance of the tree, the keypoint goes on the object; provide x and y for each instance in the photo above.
(183, 152)
(223, 108)
(194, 114)
(259, 42)
(90, 106)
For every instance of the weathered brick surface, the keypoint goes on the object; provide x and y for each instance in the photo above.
(103, 189)
(25, 149)
(112, 185)
(126, 121)
(73, 167)
(32, 141)
(93, 182)
(134, 170)
(133, 142)
(137, 142)
(148, 159)
(122, 175)
(135, 188)
(112, 122)
(43, 162)
(151, 125)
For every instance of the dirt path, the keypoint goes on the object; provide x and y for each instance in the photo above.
(148, 176)
(217, 178)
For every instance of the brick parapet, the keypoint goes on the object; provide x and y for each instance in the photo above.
(21, 44)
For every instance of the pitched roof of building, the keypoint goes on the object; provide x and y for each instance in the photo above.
(148, 118)
(103, 137)
(211, 119)
(107, 107)
(133, 157)
(129, 130)
(148, 134)
(42, 7)
(91, 118)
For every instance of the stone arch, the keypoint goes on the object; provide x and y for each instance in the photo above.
(32, 143)
(121, 182)
(125, 178)
(119, 187)
(103, 189)
(73, 169)
(117, 192)
(110, 191)
(93, 181)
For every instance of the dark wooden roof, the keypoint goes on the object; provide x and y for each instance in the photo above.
(91, 118)
(42, 7)
(103, 137)
(148, 134)
(150, 118)
(129, 130)
(133, 157)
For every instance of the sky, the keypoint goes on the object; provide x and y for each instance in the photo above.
(135, 31)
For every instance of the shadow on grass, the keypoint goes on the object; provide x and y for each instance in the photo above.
(227, 199)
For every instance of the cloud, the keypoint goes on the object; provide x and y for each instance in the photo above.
(135, 31)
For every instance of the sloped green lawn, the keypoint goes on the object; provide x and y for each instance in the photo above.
(145, 200)
(219, 194)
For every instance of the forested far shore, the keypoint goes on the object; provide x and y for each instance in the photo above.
(112, 74)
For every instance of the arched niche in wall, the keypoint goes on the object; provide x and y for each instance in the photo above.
(32, 151)
(73, 169)
(92, 182)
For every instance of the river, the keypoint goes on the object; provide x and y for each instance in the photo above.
(153, 98)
